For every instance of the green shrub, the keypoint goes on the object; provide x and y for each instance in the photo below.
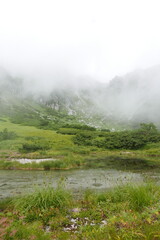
(84, 138)
(36, 145)
(105, 130)
(81, 127)
(68, 131)
(6, 135)
(135, 139)
(47, 165)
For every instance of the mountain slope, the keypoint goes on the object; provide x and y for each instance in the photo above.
(124, 101)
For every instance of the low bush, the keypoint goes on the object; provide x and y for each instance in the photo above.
(58, 164)
(81, 127)
(68, 131)
(135, 139)
(7, 135)
(35, 145)
(84, 138)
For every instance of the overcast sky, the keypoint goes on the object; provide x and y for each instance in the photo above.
(96, 38)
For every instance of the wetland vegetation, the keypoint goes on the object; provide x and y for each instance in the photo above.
(121, 211)
(125, 212)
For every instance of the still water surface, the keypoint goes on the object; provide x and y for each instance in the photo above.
(14, 182)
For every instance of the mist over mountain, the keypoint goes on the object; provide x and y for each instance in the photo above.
(132, 98)
(135, 96)
(128, 99)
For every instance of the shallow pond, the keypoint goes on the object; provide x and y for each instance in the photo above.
(14, 182)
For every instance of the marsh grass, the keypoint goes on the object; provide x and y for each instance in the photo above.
(135, 197)
(43, 199)
(142, 196)
(126, 212)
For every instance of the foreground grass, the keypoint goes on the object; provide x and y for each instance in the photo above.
(128, 212)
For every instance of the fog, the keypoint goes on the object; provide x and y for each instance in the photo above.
(108, 47)
(96, 39)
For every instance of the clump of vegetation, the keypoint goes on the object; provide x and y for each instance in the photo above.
(84, 138)
(136, 197)
(58, 164)
(73, 129)
(35, 144)
(105, 130)
(7, 135)
(68, 131)
(42, 199)
(133, 139)
(142, 196)
(78, 126)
